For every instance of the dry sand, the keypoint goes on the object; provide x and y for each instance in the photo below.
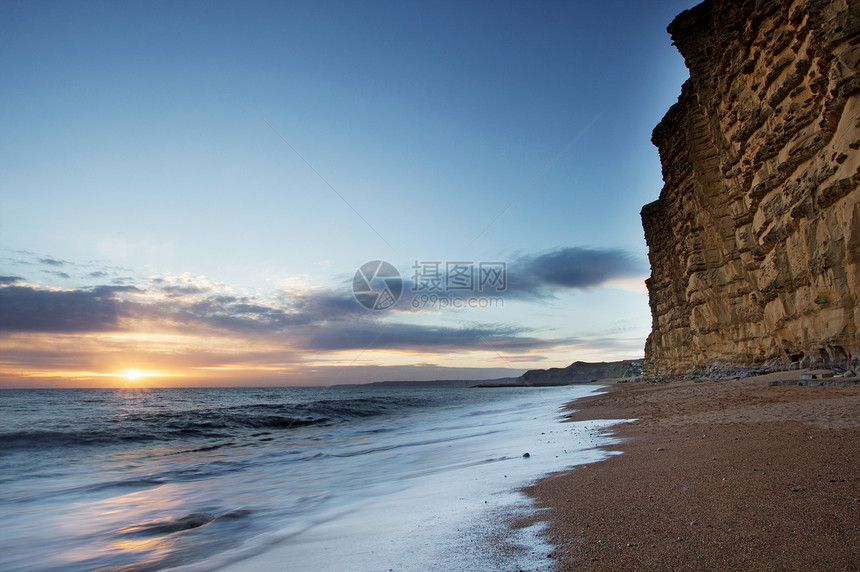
(730, 475)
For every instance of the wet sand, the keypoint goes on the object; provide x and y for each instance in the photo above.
(715, 475)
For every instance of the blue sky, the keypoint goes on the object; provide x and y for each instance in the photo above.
(267, 150)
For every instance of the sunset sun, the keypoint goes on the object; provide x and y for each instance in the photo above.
(132, 374)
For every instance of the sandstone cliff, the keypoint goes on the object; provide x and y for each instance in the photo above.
(754, 242)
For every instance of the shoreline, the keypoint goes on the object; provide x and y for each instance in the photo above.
(443, 502)
(719, 474)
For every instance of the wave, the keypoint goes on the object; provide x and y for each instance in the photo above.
(44, 439)
(169, 526)
(261, 420)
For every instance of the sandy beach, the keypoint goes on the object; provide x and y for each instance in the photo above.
(734, 474)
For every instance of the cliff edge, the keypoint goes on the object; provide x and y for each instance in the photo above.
(754, 242)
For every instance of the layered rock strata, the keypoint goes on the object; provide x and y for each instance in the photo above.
(754, 242)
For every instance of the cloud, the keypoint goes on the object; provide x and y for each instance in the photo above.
(325, 320)
(531, 276)
(90, 273)
(415, 337)
(50, 261)
(57, 273)
(218, 332)
(318, 320)
(571, 268)
(174, 290)
(325, 305)
(34, 310)
(330, 318)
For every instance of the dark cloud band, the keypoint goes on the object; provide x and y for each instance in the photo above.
(27, 309)
(572, 268)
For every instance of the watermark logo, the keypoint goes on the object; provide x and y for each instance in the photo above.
(441, 284)
(377, 285)
(468, 276)
(443, 301)
(436, 284)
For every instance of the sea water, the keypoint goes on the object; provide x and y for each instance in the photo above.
(335, 478)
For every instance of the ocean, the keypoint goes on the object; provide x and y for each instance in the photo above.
(333, 478)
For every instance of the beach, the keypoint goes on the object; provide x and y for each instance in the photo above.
(733, 474)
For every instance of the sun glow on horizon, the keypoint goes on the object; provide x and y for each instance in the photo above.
(133, 374)
(138, 375)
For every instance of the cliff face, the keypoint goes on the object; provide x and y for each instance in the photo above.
(755, 240)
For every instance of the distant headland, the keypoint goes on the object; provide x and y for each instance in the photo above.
(575, 373)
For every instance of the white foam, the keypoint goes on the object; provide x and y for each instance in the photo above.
(442, 502)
